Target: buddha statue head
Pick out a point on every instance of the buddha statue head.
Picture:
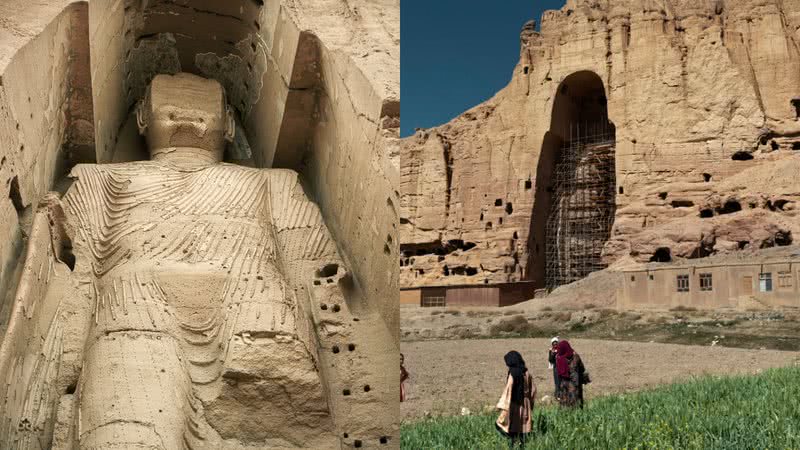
(185, 118)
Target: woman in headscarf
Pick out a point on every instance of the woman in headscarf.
(571, 374)
(516, 403)
(551, 360)
(403, 377)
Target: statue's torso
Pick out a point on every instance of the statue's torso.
(190, 254)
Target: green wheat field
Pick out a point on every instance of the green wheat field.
(742, 412)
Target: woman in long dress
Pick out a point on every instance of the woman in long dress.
(571, 376)
(516, 403)
(403, 377)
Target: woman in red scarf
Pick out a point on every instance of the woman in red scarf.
(572, 375)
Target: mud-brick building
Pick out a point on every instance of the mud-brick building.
(769, 282)
(500, 294)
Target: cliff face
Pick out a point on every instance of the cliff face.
(704, 98)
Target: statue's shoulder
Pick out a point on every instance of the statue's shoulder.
(88, 170)
(270, 174)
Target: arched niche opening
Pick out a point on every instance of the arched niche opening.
(268, 67)
(575, 198)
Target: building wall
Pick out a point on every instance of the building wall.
(459, 296)
(410, 297)
(731, 286)
(473, 296)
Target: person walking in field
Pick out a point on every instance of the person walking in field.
(551, 359)
(572, 376)
(403, 377)
(516, 402)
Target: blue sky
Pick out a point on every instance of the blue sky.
(455, 54)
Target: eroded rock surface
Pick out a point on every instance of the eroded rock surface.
(703, 100)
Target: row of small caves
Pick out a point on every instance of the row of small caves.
(408, 252)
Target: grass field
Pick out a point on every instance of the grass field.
(747, 412)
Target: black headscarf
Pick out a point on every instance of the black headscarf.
(516, 368)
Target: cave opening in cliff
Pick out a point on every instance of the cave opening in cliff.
(575, 185)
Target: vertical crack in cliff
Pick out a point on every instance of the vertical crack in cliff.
(448, 168)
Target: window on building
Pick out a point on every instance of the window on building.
(706, 282)
(683, 283)
(432, 302)
(785, 279)
(765, 282)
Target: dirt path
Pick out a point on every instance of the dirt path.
(449, 375)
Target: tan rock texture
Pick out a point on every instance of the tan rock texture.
(704, 98)
(121, 325)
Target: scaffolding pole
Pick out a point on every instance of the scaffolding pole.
(582, 212)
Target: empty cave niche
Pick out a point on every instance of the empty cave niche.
(729, 207)
(437, 247)
(682, 203)
(662, 255)
(578, 161)
(783, 238)
(796, 105)
(777, 205)
(742, 156)
(707, 177)
(462, 270)
(328, 270)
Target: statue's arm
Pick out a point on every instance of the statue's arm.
(32, 354)
(355, 353)
(307, 253)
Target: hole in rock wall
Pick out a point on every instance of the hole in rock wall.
(662, 254)
(578, 161)
(706, 213)
(682, 203)
(435, 248)
(66, 255)
(662, 195)
(509, 208)
(795, 145)
(783, 238)
(621, 190)
(706, 177)
(15, 195)
(328, 270)
(742, 156)
(796, 105)
(774, 145)
(498, 202)
(730, 207)
(528, 184)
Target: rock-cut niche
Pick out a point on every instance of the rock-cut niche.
(575, 185)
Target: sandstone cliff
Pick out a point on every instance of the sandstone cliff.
(705, 99)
